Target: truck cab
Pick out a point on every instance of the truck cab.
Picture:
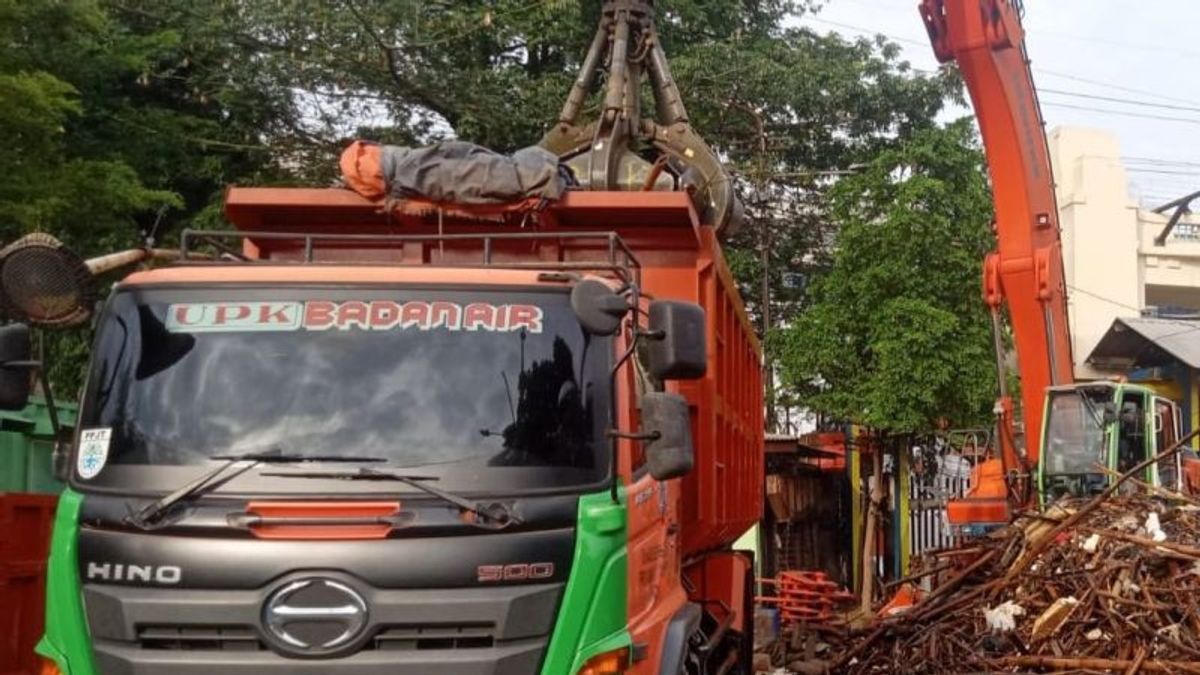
(345, 439)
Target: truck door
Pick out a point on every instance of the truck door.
(1132, 443)
(1166, 434)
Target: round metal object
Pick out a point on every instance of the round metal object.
(44, 283)
(314, 616)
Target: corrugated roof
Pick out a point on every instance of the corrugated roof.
(781, 438)
(1147, 343)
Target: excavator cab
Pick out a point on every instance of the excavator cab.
(1093, 432)
(1098, 430)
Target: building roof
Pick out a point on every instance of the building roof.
(824, 450)
(1148, 343)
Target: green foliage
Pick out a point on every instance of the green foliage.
(897, 336)
(126, 116)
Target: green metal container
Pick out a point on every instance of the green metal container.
(27, 446)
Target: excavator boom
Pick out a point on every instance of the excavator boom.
(1025, 273)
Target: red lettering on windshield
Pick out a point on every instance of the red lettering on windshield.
(183, 315)
(351, 313)
(384, 314)
(269, 313)
(446, 314)
(479, 315)
(240, 313)
(412, 315)
(525, 316)
(415, 314)
(318, 314)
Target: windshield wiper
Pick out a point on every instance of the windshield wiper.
(494, 516)
(147, 516)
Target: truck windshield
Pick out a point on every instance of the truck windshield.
(488, 390)
(1075, 438)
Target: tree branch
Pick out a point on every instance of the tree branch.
(406, 87)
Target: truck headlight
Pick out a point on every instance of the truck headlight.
(608, 663)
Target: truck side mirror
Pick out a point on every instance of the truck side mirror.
(677, 348)
(598, 308)
(14, 366)
(668, 425)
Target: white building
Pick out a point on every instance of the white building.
(1133, 275)
(1115, 269)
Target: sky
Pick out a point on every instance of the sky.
(1142, 54)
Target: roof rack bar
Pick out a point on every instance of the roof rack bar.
(215, 243)
(620, 259)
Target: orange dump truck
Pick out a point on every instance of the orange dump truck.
(402, 432)
(352, 440)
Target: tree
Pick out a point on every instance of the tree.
(788, 108)
(115, 124)
(49, 182)
(897, 336)
(143, 110)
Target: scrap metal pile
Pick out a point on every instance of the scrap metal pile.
(1108, 584)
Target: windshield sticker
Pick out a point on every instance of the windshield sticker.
(233, 316)
(93, 452)
(236, 317)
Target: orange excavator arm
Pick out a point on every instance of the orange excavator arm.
(1025, 274)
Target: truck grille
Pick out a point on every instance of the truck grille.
(469, 636)
(501, 630)
(246, 638)
(203, 638)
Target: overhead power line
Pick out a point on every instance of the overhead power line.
(860, 29)
(1188, 326)
(1109, 85)
(906, 7)
(1124, 113)
(1157, 161)
(1118, 43)
(1164, 172)
(1118, 99)
(1038, 70)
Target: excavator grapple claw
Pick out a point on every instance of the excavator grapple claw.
(621, 150)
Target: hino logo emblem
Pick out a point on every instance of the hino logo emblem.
(166, 575)
(315, 616)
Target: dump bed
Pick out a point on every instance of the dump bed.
(723, 496)
(655, 236)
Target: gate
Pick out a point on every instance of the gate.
(941, 471)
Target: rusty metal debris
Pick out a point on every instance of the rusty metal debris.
(1086, 586)
(1106, 584)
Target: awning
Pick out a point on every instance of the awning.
(1148, 343)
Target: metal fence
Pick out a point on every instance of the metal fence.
(941, 471)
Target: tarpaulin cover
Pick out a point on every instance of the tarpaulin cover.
(453, 172)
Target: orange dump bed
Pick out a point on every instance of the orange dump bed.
(660, 240)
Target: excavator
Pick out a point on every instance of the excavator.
(1077, 436)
